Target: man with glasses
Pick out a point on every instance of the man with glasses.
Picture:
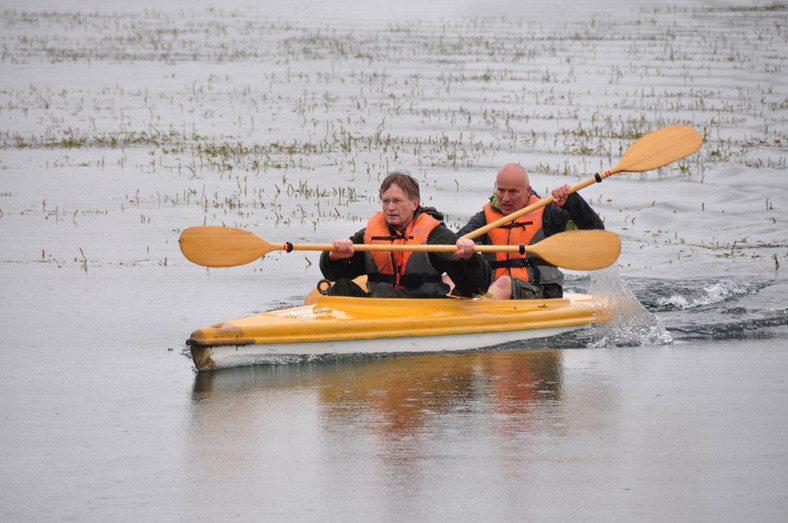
(525, 276)
(404, 274)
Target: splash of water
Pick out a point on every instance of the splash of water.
(747, 308)
(692, 295)
(624, 322)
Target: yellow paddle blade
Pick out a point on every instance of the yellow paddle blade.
(585, 250)
(659, 148)
(214, 246)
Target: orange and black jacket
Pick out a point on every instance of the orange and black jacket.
(416, 273)
(530, 229)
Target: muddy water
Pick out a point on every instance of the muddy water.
(119, 127)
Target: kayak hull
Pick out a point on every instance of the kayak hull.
(341, 325)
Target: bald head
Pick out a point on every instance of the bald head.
(512, 188)
(513, 174)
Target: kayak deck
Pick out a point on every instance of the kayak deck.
(341, 325)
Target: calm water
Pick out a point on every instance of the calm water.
(102, 421)
(120, 127)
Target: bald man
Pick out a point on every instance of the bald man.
(525, 276)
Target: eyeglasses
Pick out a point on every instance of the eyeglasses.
(395, 201)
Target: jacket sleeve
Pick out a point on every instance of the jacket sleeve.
(477, 221)
(575, 214)
(347, 267)
(471, 276)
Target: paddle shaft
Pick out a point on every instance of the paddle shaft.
(531, 208)
(577, 250)
(214, 246)
(656, 149)
(288, 247)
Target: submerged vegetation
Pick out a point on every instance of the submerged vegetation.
(246, 120)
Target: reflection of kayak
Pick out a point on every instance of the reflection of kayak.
(340, 325)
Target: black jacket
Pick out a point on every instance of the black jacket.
(575, 214)
(470, 276)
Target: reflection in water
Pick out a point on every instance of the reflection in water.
(400, 396)
(379, 422)
(393, 394)
(481, 429)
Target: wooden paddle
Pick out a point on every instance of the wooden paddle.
(214, 246)
(651, 151)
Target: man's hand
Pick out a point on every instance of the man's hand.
(344, 249)
(560, 195)
(465, 248)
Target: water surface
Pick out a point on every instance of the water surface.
(120, 125)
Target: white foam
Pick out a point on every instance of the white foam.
(630, 324)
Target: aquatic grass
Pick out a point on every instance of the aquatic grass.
(251, 120)
(73, 139)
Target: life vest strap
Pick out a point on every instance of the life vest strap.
(406, 281)
(516, 225)
(513, 262)
(393, 237)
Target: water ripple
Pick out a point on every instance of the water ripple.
(693, 294)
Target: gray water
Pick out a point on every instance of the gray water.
(123, 124)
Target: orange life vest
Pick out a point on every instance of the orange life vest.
(525, 230)
(401, 269)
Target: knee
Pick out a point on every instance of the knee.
(501, 289)
(502, 283)
(346, 287)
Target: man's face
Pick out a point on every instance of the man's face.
(512, 193)
(398, 206)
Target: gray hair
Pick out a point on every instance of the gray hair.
(406, 182)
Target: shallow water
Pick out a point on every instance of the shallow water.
(120, 126)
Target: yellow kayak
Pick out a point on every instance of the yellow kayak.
(342, 325)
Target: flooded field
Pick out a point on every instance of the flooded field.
(123, 124)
